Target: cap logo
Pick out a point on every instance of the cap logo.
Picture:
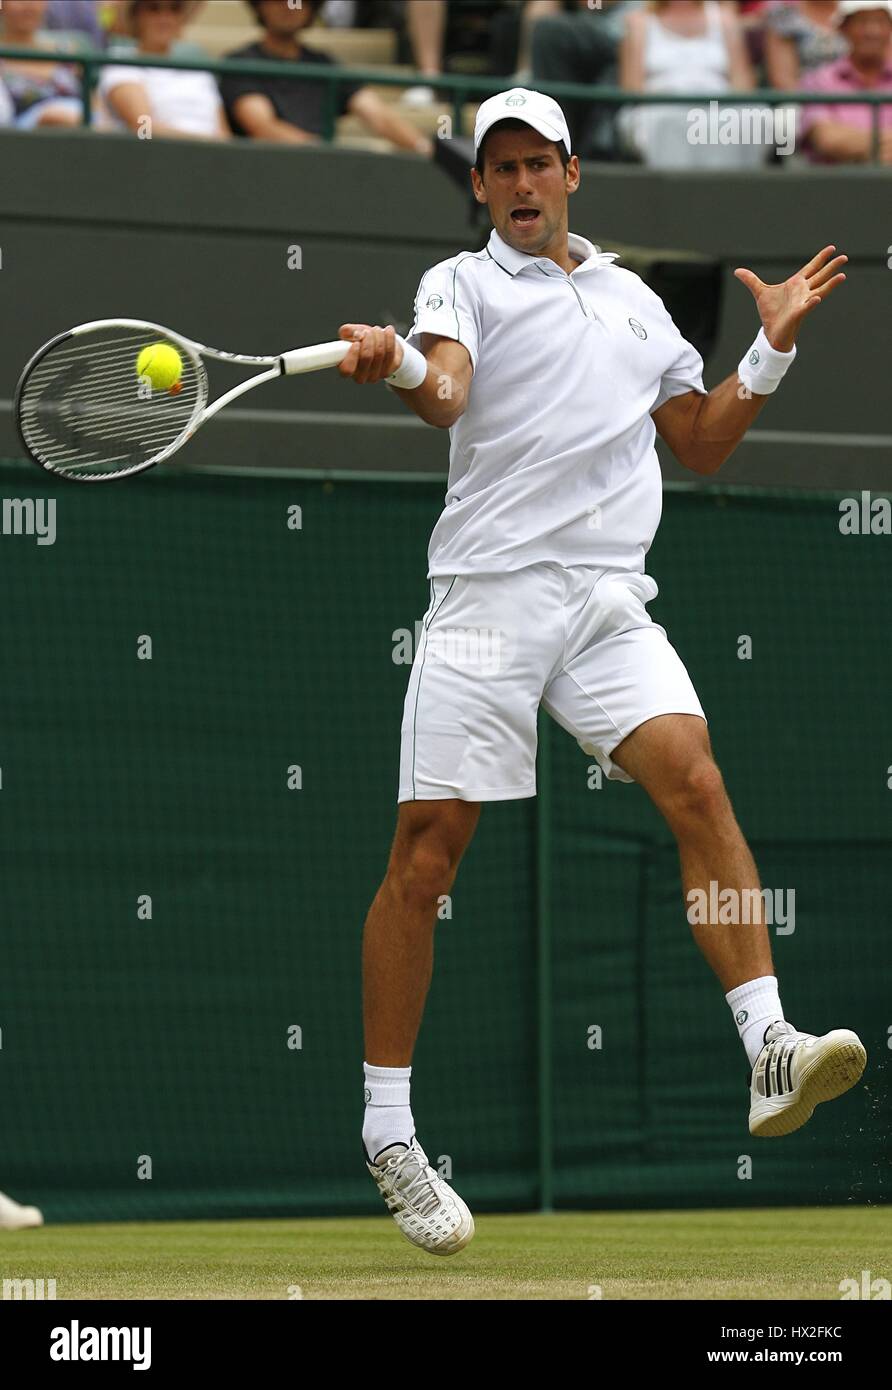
(516, 101)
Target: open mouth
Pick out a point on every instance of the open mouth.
(525, 216)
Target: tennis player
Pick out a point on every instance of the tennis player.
(553, 368)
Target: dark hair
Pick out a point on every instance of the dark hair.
(313, 5)
(512, 123)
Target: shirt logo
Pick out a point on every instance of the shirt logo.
(754, 357)
(435, 302)
(515, 101)
(638, 329)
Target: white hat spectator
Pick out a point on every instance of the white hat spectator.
(519, 104)
(847, 8)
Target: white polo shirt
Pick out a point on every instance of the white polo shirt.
(553, 458)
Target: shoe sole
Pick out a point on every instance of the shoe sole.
(451, 1246)
(457, 1241)
(840, 1064)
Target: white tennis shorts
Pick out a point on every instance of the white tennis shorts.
(493, 647)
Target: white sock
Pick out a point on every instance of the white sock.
(388, 1115)
(755, 1005)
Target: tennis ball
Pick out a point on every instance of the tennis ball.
(162, 364)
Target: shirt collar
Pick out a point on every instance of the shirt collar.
(590, 257)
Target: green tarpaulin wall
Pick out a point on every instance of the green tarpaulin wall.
(171, 1038)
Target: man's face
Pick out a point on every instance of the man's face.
(869, 33)
(525, 187)
(286, 16)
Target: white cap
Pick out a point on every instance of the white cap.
(847, 8)
(533, 108)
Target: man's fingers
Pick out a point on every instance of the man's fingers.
(817, 261)
(821, 277)
(376, 355)
(822, 291)
(371, 353)
(347, 367)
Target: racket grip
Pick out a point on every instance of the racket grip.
(312, 359)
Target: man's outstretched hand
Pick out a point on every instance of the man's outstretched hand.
(783, 307)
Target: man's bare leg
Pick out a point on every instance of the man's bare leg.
(398, 954)
(398, 942)
(671, 757)
(792, 1071)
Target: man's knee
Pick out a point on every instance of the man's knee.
(428, 848)
(697, 795)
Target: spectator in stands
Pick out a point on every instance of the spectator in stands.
(78, 17)
(440, 30)
(844, 134)
(683, 46)
(752, 21)
(43, 93)
(290, 110)
(799, 38)
(161, 101)
(581, 45)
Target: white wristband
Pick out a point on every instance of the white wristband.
(763, 368)
(412, 370)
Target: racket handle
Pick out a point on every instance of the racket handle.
(311, 359)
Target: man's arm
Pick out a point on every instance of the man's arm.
(443, 395)
(256, 114)
(846, 144)
(703, 431)
(382, 120)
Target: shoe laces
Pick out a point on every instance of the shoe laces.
(419, 1190)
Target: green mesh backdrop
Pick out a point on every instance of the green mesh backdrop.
(128, 1038)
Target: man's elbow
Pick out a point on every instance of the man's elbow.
(446, 416)
(702, 461)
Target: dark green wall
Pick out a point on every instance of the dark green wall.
(167, 1037)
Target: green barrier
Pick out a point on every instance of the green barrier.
(179, 998)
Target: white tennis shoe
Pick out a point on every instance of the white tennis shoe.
(14, 1217)
(795, 1071)
(422, 1204)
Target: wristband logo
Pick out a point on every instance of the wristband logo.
(435, 301)
(755, 358)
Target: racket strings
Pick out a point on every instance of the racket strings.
(84, 408)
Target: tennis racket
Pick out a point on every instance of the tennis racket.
(85, 412)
